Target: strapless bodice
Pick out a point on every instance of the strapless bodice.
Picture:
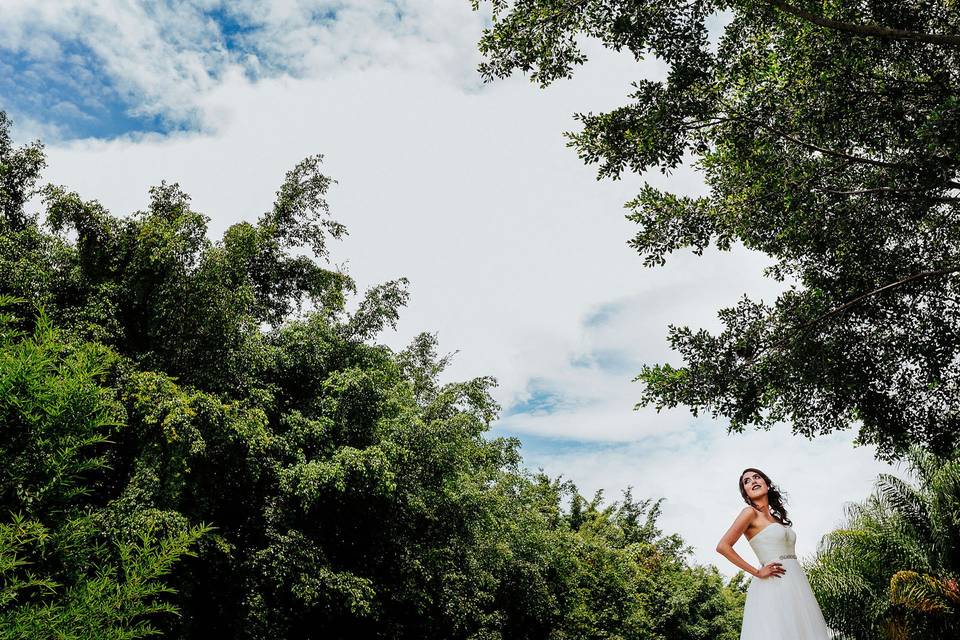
(774, 542)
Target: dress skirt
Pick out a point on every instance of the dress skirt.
(783, 608)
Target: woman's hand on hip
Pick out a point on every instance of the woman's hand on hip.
(771, 569)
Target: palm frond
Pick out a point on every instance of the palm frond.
(907, 502)
(922, 593)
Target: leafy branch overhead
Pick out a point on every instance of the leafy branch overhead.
(828, 135)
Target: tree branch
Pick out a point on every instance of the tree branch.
(865, 30)
(890, 190)
(887, 287)
(696, 125)
(734, 117)
(828, 152)
(852, 303)
(860, 192)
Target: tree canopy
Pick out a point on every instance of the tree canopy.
(827, 135)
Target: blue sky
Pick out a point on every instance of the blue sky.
(75, 94)
(71, 85)
(517, 255)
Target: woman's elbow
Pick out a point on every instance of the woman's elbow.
(722, 546)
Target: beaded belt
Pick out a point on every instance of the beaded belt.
(788, 556)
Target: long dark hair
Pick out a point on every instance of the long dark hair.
(776, 499)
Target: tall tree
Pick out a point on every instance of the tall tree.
(828, 135)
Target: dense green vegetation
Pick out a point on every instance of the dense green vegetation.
(198, 439)
(828, 135)
(891, 570)
(72, 564)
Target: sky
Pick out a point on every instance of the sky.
(517, 255)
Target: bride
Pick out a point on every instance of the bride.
(780, 604)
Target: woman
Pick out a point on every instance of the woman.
(780, 604)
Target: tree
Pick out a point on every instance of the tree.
(891, 570)
(827, 135)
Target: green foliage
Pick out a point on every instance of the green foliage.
(63, 574)
(19, 170)
(117, 601)
(827, 134)
(891, 571)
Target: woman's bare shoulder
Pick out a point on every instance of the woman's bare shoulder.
(742, 522)
(747, 513)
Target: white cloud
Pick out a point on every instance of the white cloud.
(141, 52)
(165, 58)
(516, 254)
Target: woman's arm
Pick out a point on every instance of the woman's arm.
(725, 547)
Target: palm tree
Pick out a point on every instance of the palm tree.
(891, 571)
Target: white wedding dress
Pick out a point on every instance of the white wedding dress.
(781, 608)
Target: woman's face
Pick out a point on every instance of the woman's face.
(754, 484)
